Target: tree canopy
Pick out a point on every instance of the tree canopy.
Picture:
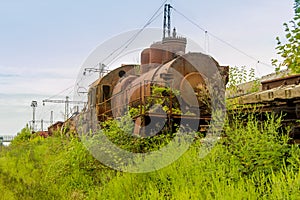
(290, 50)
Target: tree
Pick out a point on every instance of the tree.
(290, 51)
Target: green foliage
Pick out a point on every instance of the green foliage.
(246, 164)
(120, 132)
(259, 147)
(251, 161)
(158, 102)
(290, 51)
(164, 91)
(160, 96)
(23, 136)
(51, 168)
(238, 76)
(133, 112)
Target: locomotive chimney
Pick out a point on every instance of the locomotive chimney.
(169, 48)
(173, 46)
(162, 52)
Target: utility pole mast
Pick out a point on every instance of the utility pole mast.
(33, 105)
(67, 102)
(67, 108)
(100, 68)
(51, 117)
(167, 21)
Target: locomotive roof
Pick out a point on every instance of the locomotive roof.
(98, 81)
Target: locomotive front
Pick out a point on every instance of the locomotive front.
(171, 88)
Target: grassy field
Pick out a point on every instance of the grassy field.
(251, 161)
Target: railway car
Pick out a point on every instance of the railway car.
(279, 95)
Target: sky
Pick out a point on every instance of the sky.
(43, 44)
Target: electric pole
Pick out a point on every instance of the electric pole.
(67, 102)
(167, 21)
(67, 108)
(51, 117)
(33, 105)
(42, 125)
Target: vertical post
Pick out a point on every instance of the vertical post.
(67, 108)
(165, 21)
(206, 42)
(33, 118)
(105, 107)
(141, 99)
(42, 125)
(169, 20)
(144, 95)
(100, 70)
(126, 100)
(33, 105)
(30, 125)
(170, 106)
(51, 118)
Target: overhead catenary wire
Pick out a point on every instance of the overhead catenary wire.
(58, 94)
(153, 18)
(115, 54)
(221, 40)
(44, 113)
(128, 53)
(132, 39)
(125, 45)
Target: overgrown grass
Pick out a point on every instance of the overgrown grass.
(251, 161)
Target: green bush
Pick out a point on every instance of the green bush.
(120, 132)
(23, 136)
(258, 147)
(251, 161)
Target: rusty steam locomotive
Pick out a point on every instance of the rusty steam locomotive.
(163, 90)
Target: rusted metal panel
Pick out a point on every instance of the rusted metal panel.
(135, 89)
(287, 93)
(55, 127)
(279, 82)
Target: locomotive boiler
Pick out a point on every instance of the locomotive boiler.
(167, 88)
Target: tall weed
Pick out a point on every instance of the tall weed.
(251, 161)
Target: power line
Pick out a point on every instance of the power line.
(153, 18)
(127, 53)
(130, 40)
(133, 38)
(221, 40)
(42, 114)
(124, 46)
(72, 86)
